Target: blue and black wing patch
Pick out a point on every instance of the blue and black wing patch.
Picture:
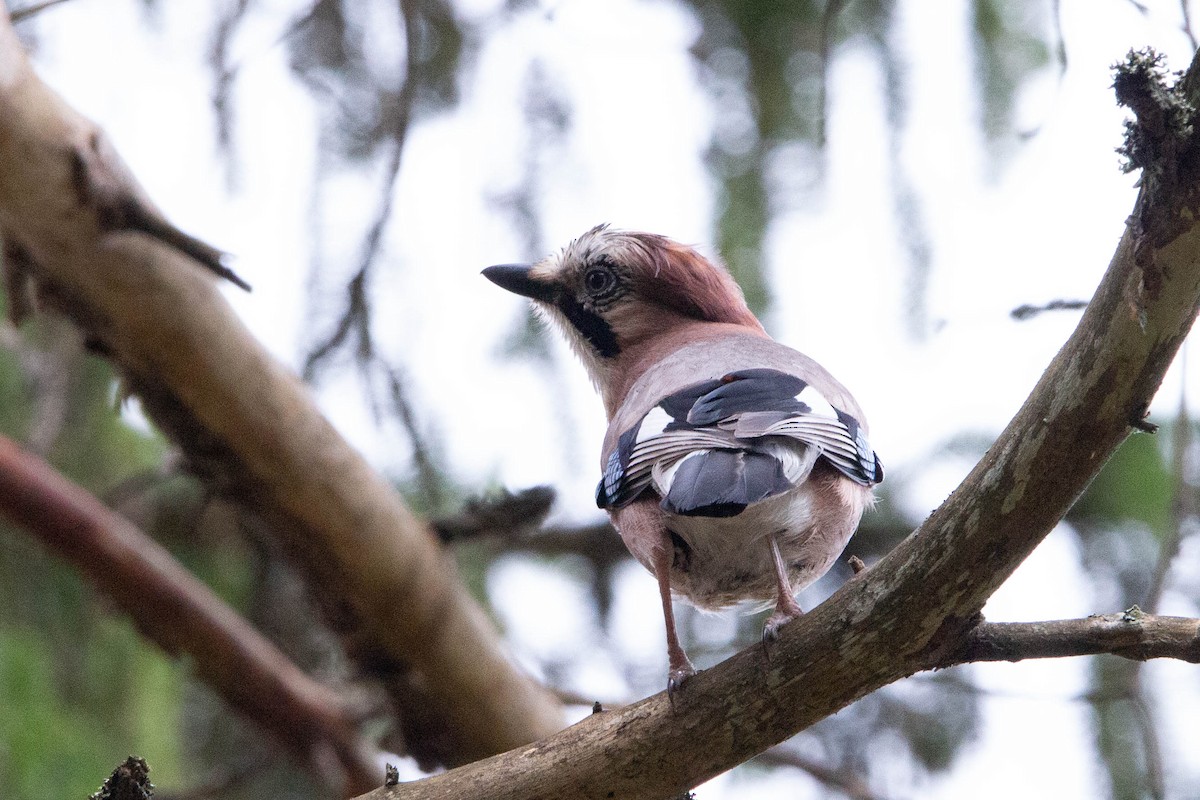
(717, 446)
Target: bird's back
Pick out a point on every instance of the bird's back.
(712, 359)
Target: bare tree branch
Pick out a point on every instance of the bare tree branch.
(1131, 634)
(250, 429)
(183, 616)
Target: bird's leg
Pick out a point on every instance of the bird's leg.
(679, 668)
(786, 607)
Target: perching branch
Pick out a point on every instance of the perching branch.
(920, 604)
(184, 617)
(250, 430)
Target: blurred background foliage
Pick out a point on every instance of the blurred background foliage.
(79, 689)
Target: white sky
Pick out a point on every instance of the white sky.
(1046, 229)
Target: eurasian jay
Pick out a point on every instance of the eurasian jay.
(734, 468)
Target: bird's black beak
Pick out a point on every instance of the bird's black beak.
(516, 279)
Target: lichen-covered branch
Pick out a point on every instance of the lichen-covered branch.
(250, 429)
(129, 781)
(184, 617)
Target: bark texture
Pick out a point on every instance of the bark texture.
(145, 295)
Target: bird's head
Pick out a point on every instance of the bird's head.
(612, 292)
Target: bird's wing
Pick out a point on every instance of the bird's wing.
(721, 444)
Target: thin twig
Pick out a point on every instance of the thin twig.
(1060, 41)
(355, 320)
(357, 316)
(429, 473)
(840, 780)
(571, 698)
(599, 543)
(1185, 6)
(224, 74)
(1028, 311)
(22, 14)
(102, 185)
(135, 216)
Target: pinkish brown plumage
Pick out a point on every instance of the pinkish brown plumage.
(734, 468)
(676, 277)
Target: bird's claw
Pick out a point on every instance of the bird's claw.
(675, 678)
(774, 624)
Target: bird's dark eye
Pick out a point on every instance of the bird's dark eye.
(599, 281)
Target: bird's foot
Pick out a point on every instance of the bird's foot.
(784, 613)
(676, 675)
(786, 607)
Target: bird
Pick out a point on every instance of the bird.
(734, 468)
